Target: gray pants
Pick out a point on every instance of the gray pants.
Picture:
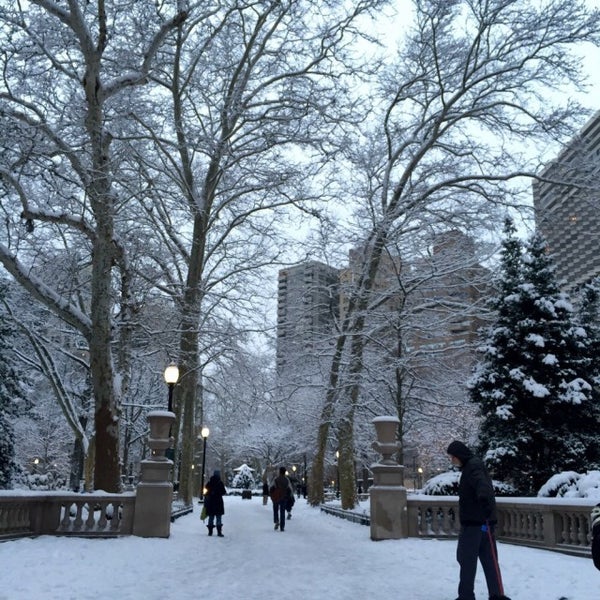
(473, 544)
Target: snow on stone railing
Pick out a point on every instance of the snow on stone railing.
(555, 523)
(99, 514)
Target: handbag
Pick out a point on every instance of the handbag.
(203, 514)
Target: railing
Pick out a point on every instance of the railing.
(66, 514)
(179, 508)
(557, 524)
(355, 517)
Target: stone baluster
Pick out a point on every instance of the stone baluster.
(582, 533)
(90, 522)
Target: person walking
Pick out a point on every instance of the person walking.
(595, 518)
(280, 491)
(289, 504)
(213, 501)
(477, 513)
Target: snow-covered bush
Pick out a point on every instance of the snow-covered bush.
(446, 484)
(570, 484)
(243, 479)
(40, 481)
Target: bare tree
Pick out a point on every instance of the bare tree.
(470, 86)
(252, 111)
(66, 71)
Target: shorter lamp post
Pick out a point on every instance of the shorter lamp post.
(305, 479)
(337, 465)
(204, 433)
(420, 472)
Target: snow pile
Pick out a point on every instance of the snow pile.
(446, 484)
(570, 484)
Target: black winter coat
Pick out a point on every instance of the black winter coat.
(596, 545)
(476, 501)
(213, 499)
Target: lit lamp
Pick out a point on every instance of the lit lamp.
(420, 472)
(204, 433)
(171, 377)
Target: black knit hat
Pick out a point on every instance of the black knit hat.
(459, 450)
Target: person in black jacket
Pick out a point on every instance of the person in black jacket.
(595, 518)
(280, 490)
(213, 501)
(477, 513)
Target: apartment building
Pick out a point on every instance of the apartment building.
(307, 308)
(566, 199)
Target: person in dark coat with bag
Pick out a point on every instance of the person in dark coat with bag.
(477, 513)
(213, 501)
(280, 491)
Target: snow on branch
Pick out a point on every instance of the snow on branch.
(132, 78)
(45, 294)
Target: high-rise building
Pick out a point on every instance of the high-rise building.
(566, 199)
(307, 308)
(453, 292)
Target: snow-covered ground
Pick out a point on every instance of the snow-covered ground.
(318, 557)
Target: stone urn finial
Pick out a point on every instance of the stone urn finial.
(160, 433)
(386, 429)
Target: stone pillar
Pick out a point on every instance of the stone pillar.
(154, 495)
(389, 519)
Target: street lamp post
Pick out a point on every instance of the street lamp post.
(420, 472)
(337, 465)
(204, 433)
(305, 481)
(171, 377)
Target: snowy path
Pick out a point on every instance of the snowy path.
(318, 557)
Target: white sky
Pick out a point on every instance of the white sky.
(318, 557)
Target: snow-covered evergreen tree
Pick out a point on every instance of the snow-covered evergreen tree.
(589, 317)
(10, 391)
(243, 479)
(532, 383)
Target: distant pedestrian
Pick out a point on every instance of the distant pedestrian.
(280, 491)
(477, 513)
(213, 501)
(290, 501)
(595, 517)
(265, 492)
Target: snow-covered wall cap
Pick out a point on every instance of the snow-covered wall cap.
(386, 419)
(161, 413)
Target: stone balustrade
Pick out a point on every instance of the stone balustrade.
(67, 513)
(556, 524)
